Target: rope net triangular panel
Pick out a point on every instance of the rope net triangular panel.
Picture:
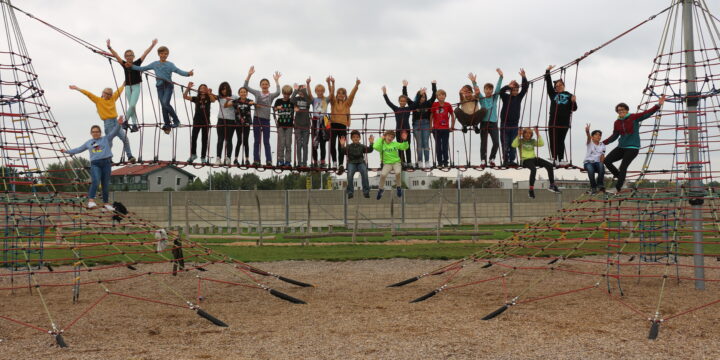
(647, 244)
(52, 241)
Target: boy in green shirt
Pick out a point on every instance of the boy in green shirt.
(389, 155)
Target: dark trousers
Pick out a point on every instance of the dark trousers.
(488, 128)
(624, 154)
(261, 133)
(405, 156)
(198, 128)
(442, 145)
(533, 163)
(337, 131)
(243, 135)
(509, 134)
(557, 134)
(225, 131)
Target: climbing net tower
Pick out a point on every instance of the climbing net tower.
(647, 245)
(51, 241)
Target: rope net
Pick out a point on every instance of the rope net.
(51, 240)
(659, 237)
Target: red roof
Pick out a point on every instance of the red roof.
(137, 169)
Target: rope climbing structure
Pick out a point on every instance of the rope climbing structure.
(644, 246)
(51, 241)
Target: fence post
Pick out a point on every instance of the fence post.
(257, 202)
(308, 229)
(187, 217)
(287, 208)
(357, 215)
(392, 216)
(459, 214)
(238, 211)
(227, 210)
(169, 209)
(402, 206)
(474, 214)
(510, 204)
(345, 209)
(439, 222)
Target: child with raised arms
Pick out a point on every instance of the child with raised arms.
(440, 114)
(261, 122)
(356, 162)
(389, 149)
(201, 120)
(284, 116)
(402, 119)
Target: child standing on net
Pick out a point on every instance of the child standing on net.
(261, 122)
(133, 82)
(402, 119)
(320, 124)
(440, 115)
(201, 120)
(340, 103)
(421, 125)
(243, 110)
(562, 105)
(284, 114)
(389, 149)
(302, 100)
(105, 105)
(527, 146)
(356, 162)
(226, 123)
(488, 124)
(100, 161)
(510, 117)
(594, 158)
(164, 85)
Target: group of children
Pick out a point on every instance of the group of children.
(313, 121)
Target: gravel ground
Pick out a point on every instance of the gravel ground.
(351, 314)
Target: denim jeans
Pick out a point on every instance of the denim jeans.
(595, 168)
(132, 94)
(100, 175)
(261, 127)
(165, 93)
(110, 124)
(421, 130)
(363, 170)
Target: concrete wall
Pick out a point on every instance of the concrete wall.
(281, 207)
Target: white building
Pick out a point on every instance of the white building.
(412, 179)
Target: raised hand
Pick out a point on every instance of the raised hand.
(190, 85)
(587, 128)
(307, 81)
(108, 44)
(154, 42)
(191, 72)
(403, 135)
(371, 139)
(405, 83)
(295, 86)
(73, 87)
(251, 71)
(276, 76)
(472, 77)
(661, 101)
(384, 89)
(423, 90)
(357, 81)
(550, 67)
(499, 71)
(434, 81)
(522, 72)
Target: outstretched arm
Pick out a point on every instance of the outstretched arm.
(147, 51)
(587, 133)
(114, 53)
(90, 95)
(353, 92)
(186, 93)
(331, 88)
(387, 99)
(548, 82)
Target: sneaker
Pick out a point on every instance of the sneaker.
(204, 160)
(602, 189)
(512, 164)
(350, 195)
(340, 170)
(366, 195)
(192, 158)
(531, 194)
(134, 128)
(125, 126)
(483, 163)
(256, 163)
(399, 191)
(132, 160)
(268, 164)
(323, 164)
(109, 207)
(553, 188)
(91, 204)
(227, 161)
(166, 129)
(175, 123)
(563, 163)
(218, 162)
(612, 191)
(492, 163)
(464, 129)
(477, 129)
(246, 162)
(380, 192)
(236, 162)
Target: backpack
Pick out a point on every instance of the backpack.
(120, 211)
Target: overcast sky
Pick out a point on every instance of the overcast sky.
(381, 42)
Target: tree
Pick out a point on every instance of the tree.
(441, 183)
(65, 176)
(196, 185)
